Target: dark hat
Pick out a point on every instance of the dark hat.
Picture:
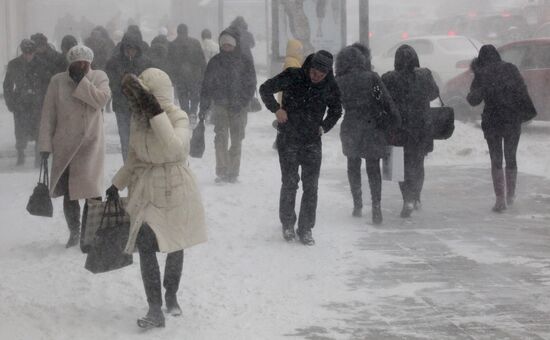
(68, 42)
(39, 39)
(27, 46)
(322, 61)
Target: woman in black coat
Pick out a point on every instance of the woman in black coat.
(361, 138)
(412, 88)
(507, 104)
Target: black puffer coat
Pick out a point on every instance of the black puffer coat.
(412, 89)
(120, 64)
(359, 133)
(229, 80)
(304, 102)
(500, 85)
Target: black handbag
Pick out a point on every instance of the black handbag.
(107, 250)
(40, 202)
(197, 141)
(440, 121)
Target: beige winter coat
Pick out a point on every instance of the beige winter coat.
(71, 129)
(162, 190)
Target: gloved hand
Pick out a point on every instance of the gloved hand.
(45, 155)
(112, 193)
(78, 70)
(149, 105)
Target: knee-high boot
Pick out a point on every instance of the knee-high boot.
(498, 185)
(511, 178)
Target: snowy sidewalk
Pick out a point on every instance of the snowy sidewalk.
(453, 271)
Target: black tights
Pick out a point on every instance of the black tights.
(375, 180)
(150, 272)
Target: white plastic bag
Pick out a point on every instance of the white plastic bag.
(393, 165)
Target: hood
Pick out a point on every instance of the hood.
(131, 40)
(406, 59)
(307, 65)
(159, 84)
(295, 49)
(488, 54)
(235, 34)
(349, 59)
(239, 23)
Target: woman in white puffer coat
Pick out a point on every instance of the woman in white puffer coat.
(164, 202)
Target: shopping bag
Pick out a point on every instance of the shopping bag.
(393, 164)
(107, 249)
(92, 215)
(40, 202)
(197, 141)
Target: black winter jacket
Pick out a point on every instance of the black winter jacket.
(412, 89)
(119, 65)
(22, 86)
(187, 61)
(359, 133)
(229, 80)
(501, 86)
(304, 102)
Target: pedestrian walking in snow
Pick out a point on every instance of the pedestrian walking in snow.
(246, 39)
(71, 129)
(188, 66)
(129, 59)
(103, 46)
(164, 203)
(209, 46)
(228, 87)
(21, 93)
(363, 97)
(501, 87)
(412, 89)
(67, 43)
(307, 92)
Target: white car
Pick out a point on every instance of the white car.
(446, 56)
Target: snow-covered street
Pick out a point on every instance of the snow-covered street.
(455, 270)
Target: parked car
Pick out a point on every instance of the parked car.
(532, 57)
(440, 54)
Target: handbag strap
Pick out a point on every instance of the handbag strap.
(112, 203)
(44, 176)
(441, 100)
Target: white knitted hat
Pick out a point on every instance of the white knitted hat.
(80, 53)
(228, 39)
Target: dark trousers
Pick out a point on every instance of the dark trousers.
(510, 140)
(150, 272)
(71, 209)
(354, 178)
(291, 157)
(411, 188)
(123, 120)
(188, 97)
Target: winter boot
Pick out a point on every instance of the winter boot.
(74, 238)
(20, 157)
(357, 211)
(511, 178)
(153, 319)
(306, 237)
(417, 204)
(289, 234)
(172, 306)
(498, 185)
(407, 210)
(376, 214)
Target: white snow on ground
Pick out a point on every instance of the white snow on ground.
(245, 283)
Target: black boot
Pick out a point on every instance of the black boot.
(306, 237)
(20, 157)
(511, 178)
(376, 214)
(357, 211)
(172, 306)
(354, 178)
(74, 238)
(172, 277)
(153, 319)
(498, 186)
(288, 233)
(407, 209)
(71, 209)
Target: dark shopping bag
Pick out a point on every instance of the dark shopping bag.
(91, 220)
(40, 202)
(441, 121)
(197, 141)
(107, 250)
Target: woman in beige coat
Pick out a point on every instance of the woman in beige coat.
(71, 128)
(164, 203)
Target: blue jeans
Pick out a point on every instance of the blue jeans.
(123, 122)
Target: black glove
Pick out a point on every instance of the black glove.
(77, 72)
(112, 193)
(45, 155)
(150, 105)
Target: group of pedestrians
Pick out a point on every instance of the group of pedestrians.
(65, 96)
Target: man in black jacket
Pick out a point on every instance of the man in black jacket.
(229, 83)
(21, 92)
(187, 69)
(307, 92)
(129, 59)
